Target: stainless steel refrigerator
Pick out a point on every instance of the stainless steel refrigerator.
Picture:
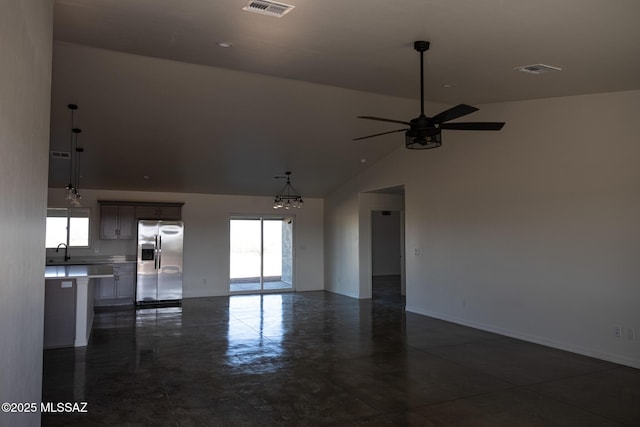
(159, 276)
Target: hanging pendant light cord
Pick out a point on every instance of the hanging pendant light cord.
(72, 107)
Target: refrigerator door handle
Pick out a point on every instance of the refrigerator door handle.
(159, 252)
(155, 258)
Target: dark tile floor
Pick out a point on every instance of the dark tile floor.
(317, 358)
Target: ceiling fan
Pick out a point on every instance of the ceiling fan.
(425, 132)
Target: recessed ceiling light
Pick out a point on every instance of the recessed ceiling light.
(448, 85)
(363, 160)
(224, 44)
(146, 177)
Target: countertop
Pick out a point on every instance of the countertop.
(87, 260)
(77, 271)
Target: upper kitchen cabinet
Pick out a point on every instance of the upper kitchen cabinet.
(166, 211)
(117, 221)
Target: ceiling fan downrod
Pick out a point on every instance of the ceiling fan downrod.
(421, 46)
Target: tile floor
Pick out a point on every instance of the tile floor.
(316, 358)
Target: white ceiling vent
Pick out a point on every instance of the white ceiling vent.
(270, 8)
(60, 155)
(537, 69)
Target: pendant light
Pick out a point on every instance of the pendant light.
(70, 189)
(287, 197)
(73, 188)
(79, 150)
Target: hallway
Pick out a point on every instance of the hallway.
(317, 358)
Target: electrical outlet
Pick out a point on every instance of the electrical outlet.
(617, 331)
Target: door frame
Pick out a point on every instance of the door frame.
(389, 199)
(262, 218)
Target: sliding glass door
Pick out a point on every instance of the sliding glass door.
(261, 254)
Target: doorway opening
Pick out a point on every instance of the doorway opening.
(382, 237)
(260, 254)
(387, 253)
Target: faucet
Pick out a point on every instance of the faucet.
(66, 249)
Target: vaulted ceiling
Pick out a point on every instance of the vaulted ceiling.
(158, 97)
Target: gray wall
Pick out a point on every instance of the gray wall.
(25, 87)
(530, 232)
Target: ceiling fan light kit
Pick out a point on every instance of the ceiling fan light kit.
(423, 142)
(426, 132)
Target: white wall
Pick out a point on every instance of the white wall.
(341, 244)
(25, 87)
(206, 241)
(531, 231)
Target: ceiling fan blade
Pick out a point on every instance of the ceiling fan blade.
(378, 134)
(473, 126)
(380, 119)
(454, 113)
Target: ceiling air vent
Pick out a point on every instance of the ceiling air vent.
(537, 69)
(60, 155)
(270, 8)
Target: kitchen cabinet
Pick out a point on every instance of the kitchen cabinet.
(69, 302)
(117, 222)
(124, 284)
(166, 211)
(105, 289)
(116, 290)
(59, 313)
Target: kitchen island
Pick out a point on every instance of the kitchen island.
(61, 277)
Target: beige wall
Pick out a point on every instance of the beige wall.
(25, 87)
(531, 232)
(206, 240)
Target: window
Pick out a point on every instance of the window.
(69, 226)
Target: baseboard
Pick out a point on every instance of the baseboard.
(346, 294)
(615, 358)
